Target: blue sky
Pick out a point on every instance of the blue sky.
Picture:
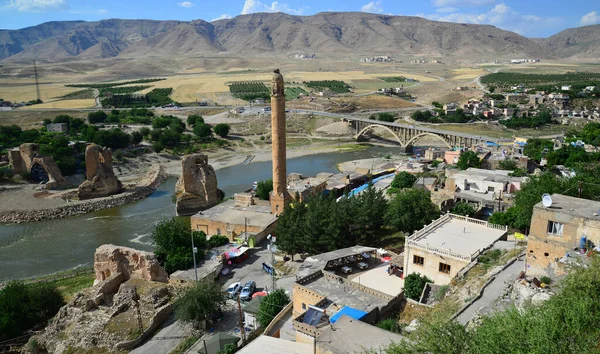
(532, 18)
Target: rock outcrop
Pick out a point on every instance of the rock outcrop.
(132, 263)
(100, 178)
(196, 189)
(41, 169)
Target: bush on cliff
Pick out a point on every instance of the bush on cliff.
(174, 245)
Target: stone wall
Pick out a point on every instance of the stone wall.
(196, 189)
(148, 185)
(111, 259)
(100, 177)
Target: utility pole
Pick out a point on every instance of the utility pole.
(272, 266)
(37, 85)
(194, 250)
(580, 188)
(499, 201)
(242, 330)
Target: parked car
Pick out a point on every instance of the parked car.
(346, 270)
(248, 290)
(267, 109)
(362, 265)
(234, 289)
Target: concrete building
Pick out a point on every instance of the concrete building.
(433, 154)
(556, 231)
(251, 311)
(233, 217)
(57, 128)
(443, 248)
(451, 156)
(269, 345)
(305, 188)
(279, 196)
(349, 335)
(427, 183)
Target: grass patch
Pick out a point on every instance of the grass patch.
(353, 147)
(79, 95)
(71, 286)
(185, 345)
(292, 93)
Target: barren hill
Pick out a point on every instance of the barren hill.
(264, 33)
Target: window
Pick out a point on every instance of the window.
(303, 306)
(490, 189)
(555, 228)
(218, 230)
(418, 260)
(444, 268)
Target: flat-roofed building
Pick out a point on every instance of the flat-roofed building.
(556, 231)
(269, 345)
(443, 248)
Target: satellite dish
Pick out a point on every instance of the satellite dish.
(546, 200)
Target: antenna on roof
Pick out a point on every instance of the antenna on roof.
(546, 200)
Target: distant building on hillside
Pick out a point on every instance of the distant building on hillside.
(57, 128)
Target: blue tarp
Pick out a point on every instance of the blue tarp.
(348, 311)
(357, 190)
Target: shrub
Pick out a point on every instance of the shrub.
(490, 256)
(414, 284)
(441, 292)
(203, 130)
(158, 147)
(173, 245)
(546, 280)
(222, 130)
(271, 305)
(97, 117)
(264, 188)
(390, 325)
(217, 240)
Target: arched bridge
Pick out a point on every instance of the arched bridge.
(407, 135)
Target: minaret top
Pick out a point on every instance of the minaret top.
(277, 84)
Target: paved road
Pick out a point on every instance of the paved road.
(491, 301)
(163, 342)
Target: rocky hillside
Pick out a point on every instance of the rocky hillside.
(339, 32)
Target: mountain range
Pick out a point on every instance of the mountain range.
(279, 33)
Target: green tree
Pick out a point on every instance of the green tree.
(173, 247)
(97, 117)
(367, 217)
(290, 229)
(410, 210)
(22, 307)
(536, 148)
(228, 349)
(158, 147)
(199, 302)
(414, 284)
(508, 165)
(531, 193)
(468, 159)
(203, 130)
(403, 180)
(506, 218)
(221, 130)
(271, 305)
(463, 208)
(136, 138)
(194, 119)
(264, 188)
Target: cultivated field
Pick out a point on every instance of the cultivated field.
(467, 73)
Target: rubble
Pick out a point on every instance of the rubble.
(100, 177)
(196, 189)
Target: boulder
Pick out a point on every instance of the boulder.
(100, 177)
(196, 189)
(131, 263)
(539, 298)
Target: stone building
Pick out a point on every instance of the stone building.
(196, 189)
(100, 177)
(558, 230)
(57, 128)
(41, 169)
(443, 248)
(131, 263)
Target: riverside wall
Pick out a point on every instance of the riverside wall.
(154, 177)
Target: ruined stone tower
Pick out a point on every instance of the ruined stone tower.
(279, 197)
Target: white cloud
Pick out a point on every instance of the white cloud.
(252, 6)
(461, 3)
(38, 5)
(373, 6)
(591, 18)
(222, 17)
(501, 16)
(186, 4)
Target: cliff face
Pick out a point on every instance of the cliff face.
(260, 33)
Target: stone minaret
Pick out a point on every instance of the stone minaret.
(279, 196)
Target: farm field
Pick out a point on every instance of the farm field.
(467, 73)
(81, 103)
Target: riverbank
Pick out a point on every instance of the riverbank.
(154, 177)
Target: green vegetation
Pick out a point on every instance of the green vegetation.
(464, 208)
(229, 348)
(249, 90)
(391, 325)
(384, 117)
(490, 257)
(292, 93)
(70, 286)
(468, 159)
(440, 293)
(414, 284)
(332, 85)
(590, 134)
(536, 148)
(112, 84)
(546, 279)
(78, 95)
(172, 239)
(567, 323)
(156, 97)
(542, 118)
(393, 78)
(119, 90)
(222, 129)
(23, 307)
(264, 188)
(186, 344)
(202, 130)
(217, 240)
(410, 210)
(401, 180)
(194, 119)
(271, 305)
(199, 303)
(541, 82)
(458, 117)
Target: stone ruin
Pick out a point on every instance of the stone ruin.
(196, 189)
(100, 178)
(111, 259)
(41, 169)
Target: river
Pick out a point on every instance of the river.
(34, 249)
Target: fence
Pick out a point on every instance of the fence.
(61, 276)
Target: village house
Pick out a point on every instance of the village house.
(446, 246)
(558, 232)
(560, 100)
(57, 128)
(302, 189)
(566, 87)
(516, 97)
(450, 109)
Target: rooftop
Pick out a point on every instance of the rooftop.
(348, 335)
(269, 345)
(457, 236)
(486, 175)
(378, 279)
(578, 207)
(228, 212)
(318, 262)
